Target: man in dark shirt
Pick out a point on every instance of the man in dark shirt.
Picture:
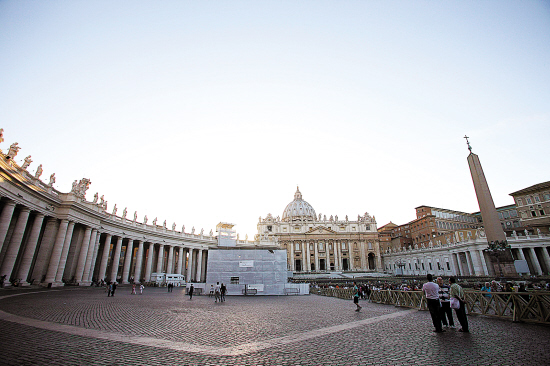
(445, 311)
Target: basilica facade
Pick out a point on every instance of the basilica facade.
(320, 244)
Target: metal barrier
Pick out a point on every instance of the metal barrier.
(532, 307)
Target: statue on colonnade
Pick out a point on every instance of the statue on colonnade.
(27, 162)
(52, 180)
(125, 212)
(95, 197)
(115, 209)
(174, 226)
(193, 230)
(145, 219)
(135, 216)
(14, 149)
(38, 172)
(155, 222)
(164, 224)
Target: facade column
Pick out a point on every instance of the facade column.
(475, 262)
(337, 266)
(105, 257)
(5, 220)
(88, 263)
(546, 257)
(127, 261)
(94, 259)
(291, 267)
(28, 254)
(307, 257)
(483, 262)
(379, 256)
(64, 252)
(180, 261)
(521, 254)
(149, 264)
(535, 261)
(139, 259)
(169, 265)
(363, 256)
(457, 264)
(199, 265)
(190, 276)
(116, 259)
(351, 264)
(83, 254)
(160, 259)
(15, 243)
(316, 255)
(56, 252)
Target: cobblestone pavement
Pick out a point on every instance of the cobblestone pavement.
(82, 326)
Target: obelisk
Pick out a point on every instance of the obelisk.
(491, 222)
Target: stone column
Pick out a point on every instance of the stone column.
(378, 256)
(363, 256)
(351, 264)
(308, 257)
(127, 261)
(105, 257)
(535, 261)
(483, 263)
(94, 259)
(337, 266)
(190, 276)
(5, 220)
(457, 264)
(546, 257)
(64, 252)
(316, 255)
(160, 260)
(149, 264)
(15, 243)
(475, 262)
(199, 265)
(28, 254)
(116, 260)
(56, 252)
(83, 254)
(291, 268)
(180, 260)
(169, 265)
(139, 259)
(88, 263)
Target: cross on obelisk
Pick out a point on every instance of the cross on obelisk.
(468, 142)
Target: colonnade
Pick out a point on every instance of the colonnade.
(331, 255)
(38, 247)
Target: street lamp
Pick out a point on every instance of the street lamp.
(496, 249)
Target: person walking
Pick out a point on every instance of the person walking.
(191, 289)
(431, 290)
(458, 293)
(133, 289)
(217, 292)
(141, 287)
(356, 294)
(446, 313)
(113, 288)
(223, 290)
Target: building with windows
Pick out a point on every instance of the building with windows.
(320, 244)
(533, 207)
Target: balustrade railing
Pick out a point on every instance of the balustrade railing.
(532, 307)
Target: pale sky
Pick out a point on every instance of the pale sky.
(198, 112)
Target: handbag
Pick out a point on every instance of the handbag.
(455, 303)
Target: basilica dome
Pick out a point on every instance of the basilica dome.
(298, 209)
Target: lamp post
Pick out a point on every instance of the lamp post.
(496, 249)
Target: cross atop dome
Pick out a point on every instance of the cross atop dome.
(298, 194)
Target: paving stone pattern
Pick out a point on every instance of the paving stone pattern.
(406, 339)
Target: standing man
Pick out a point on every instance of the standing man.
(191, 288)
(458, 293)
(217, 292)
(431, 290)
(113, 288)
(446, 312)
(223, 290)
(356, 296)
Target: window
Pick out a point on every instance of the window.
(513, 213)
(344, 246)
(234, 280)
(541, 212)
(297, 246)
(430, 265)
(536, 198)
(519, 201)
(321, 246)
(506, 214)
(533, 214)
(423, 266)
(546, 196)
(529, 202)
(448, 266)
(269, 228)
(438, 266)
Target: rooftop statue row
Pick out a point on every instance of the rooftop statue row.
(365, 218)
(79, 188)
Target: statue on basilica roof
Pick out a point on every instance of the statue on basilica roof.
(1, 135)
